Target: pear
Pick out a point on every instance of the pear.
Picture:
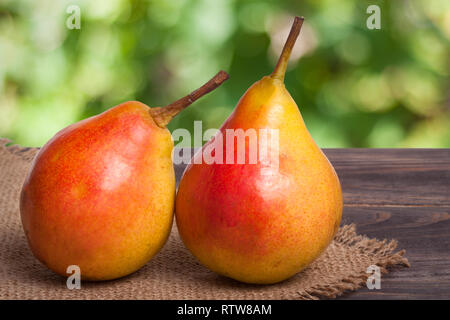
(257, 222)
(100, 194)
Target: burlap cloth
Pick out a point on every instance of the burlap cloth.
(173, 273)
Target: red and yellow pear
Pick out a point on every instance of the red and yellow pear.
(254, 223)
(100, 194)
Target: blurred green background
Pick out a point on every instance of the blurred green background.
(355, 87)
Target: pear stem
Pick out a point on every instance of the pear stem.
(163, 115)
(280, 69)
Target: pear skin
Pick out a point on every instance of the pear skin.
(254, 226)
(100, 194)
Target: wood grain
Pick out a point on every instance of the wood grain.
(424, 233)
(396, 177)
(401, 194)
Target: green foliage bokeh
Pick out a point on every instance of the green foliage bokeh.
(355, 87)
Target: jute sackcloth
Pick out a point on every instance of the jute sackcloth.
(173, 273)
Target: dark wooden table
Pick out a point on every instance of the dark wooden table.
(402, 194)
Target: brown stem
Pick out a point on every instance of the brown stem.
(163, 115)
(280, 69)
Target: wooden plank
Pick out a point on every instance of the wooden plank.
(392, 177)
(424, 233)
(395, 177)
